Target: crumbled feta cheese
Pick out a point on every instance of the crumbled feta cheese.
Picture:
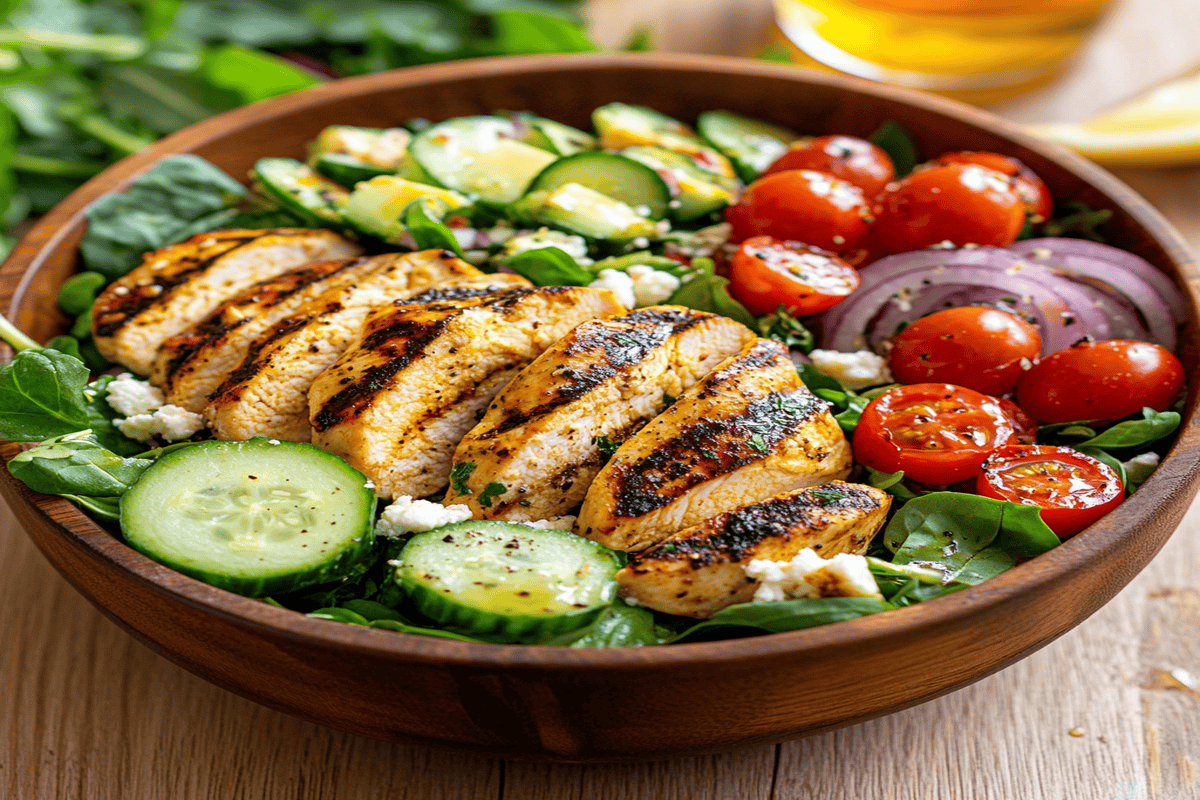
(618, 283)
(169, 422)
(406, 515)
(809, 575)
(564, 523)
(574, 246)
(140, 427)
(129, 396)
(701, 243)
(853, 370)
(651, 286)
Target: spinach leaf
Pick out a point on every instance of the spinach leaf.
(104, 508)
(783, 327)
(847, 405)
(1140, 433)
(619, 625)
(1137, 470)
(76, 464)
(101, 417)
(41, 392)
(892, 483)
(402, 627)
(1066, 433)
(906, 584)
(549, 266)
(1080, 222)
(707, 292)
(896, 141)
(339, 615)
(966, 537)
(180, 196)
(787, 615)
(427, 231)
(79, 292)
(1117, 465)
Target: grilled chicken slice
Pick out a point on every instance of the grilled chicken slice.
(541, 437)
(267, 394)
(190, 365)
(747, 431)
(700, 570)
(397, 404)
(178, 286)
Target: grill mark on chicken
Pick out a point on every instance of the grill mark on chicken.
(622, 348)
(119, 313)
(712, 447)
(729, 537)
(251, 364)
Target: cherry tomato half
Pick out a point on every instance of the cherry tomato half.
(937, 433)
(1073, 490)
(980, 348)
(1101, 381)
(960, 203)
(1025, 425)
(803, 206)
(853, 160)
(1039, 205)
(766, 273)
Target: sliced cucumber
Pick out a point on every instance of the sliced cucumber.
(381, 147)
(621, 126)
(633, 183)
(700, 192)
(556, 137)
(585, 211)
(258, 518)
(300, 190)
(480, 156)
(375, 207)
(752, 145)
(348, 170)
(508, 580)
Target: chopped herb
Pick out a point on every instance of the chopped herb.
(606, 445)
(756, 442)
(490, 491)
(783, 327)
(524, 504)
(827, 494)
(709, 454)
(459, 475)
(669, 548)
(668, 399)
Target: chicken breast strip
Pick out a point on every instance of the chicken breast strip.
(747, 431)
(267, 394)
(701, 570)
(178, 286)
(547, 434)
(397, 404)
(192, 364)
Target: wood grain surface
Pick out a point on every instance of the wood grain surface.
(1104, 712)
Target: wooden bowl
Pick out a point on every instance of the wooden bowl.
(603, 704)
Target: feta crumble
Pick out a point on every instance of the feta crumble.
(651, 286)
(564, 523)
(618, 283)
(406, 515)
(574, 246)
(856, 370)
(169, 422)
(809, 575)
(129, 396)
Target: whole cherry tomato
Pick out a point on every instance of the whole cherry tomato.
(960, 203)
(1072, 490)
(766, 273)
(803, 206)
(853, 160)
(1101, 381)
(937, 433)
(1039, 205)
(981, 348)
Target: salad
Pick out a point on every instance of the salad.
(629, 386)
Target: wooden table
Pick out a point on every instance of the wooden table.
(89, 713)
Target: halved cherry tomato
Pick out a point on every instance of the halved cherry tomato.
(1025, 425)
(803, 206)
(853, 160)
(1072, 490)
(937, 433)
(981, 348)
(1039, 205)
(767, 273)
(959, 203)
(1101, 381)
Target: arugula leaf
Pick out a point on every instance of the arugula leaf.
(549, 266)
(1153, 426)
(619, 625)
(41, 392)
(180, 196)
(788, 615)
(896, 141)
(966, 537)
(710, 293)
(783, 327)
(428, 232)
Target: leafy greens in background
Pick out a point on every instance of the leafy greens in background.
(83, 84)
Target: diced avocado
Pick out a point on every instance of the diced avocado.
(585, 211)
(620, 125)
(752, 145)
(479, 155)
(699, 192)
(375, 206)
(377, 146)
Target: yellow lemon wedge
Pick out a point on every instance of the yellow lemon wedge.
(1159, 128)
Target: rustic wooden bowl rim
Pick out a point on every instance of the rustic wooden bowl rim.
(956, 609)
